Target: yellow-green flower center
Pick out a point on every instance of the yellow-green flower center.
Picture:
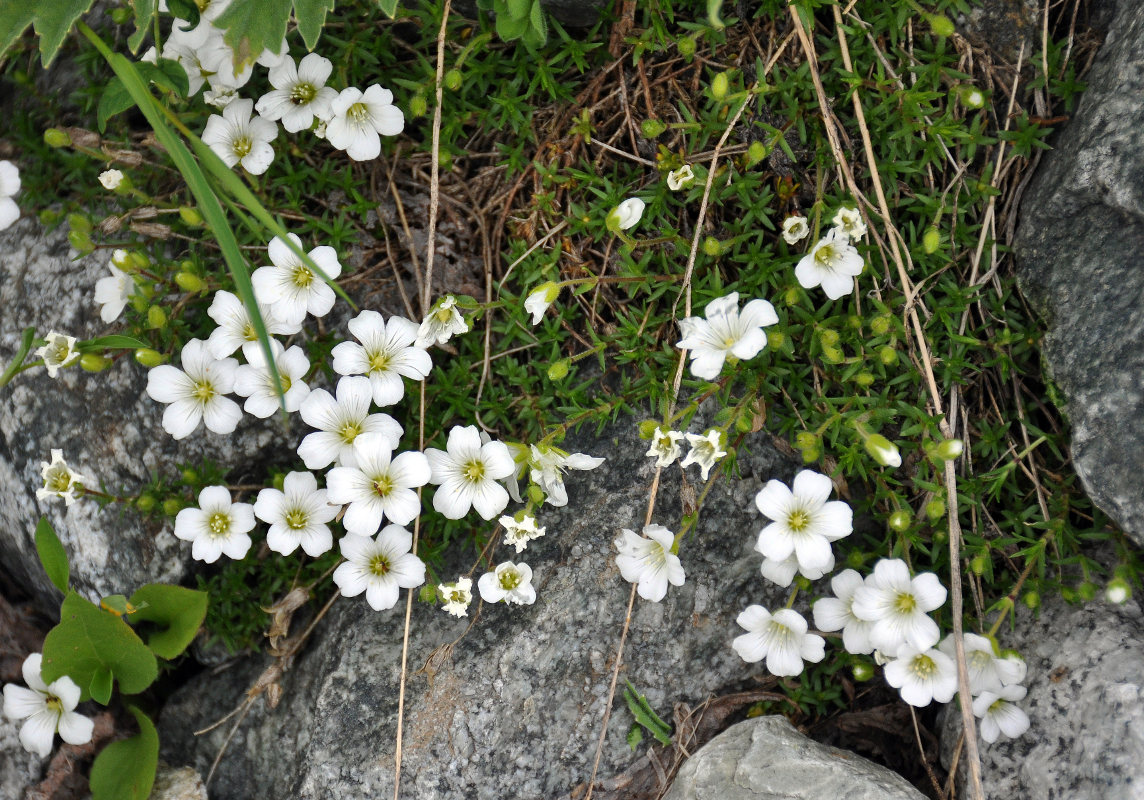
(378, 361)
(59, 480)
(798, 521)
(825, 255)
(249, 333)
(54, 704)
(905, 603)
(383, 485)
(359, 112)
(302, 93)
(301, 276)
(349, 432)
(443, 314)
(242, 146)
(296, 519)
(218, 523)
(474, 471)
(203, 391)
(923, 667)
(60, 351)
(509, 579)
(379, 565)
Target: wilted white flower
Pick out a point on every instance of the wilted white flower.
(253, 380)
(48, 708)
(356, 119)
(221, 97)
(217, 526)
(795, 229)
(848, 221)
(539, 299)
(509, 582)
(922, 676)
(58, 351)
(379, 487)
(9, 187)
(386, 354)
(239, 139)
(836, 613)
(898, 605)
(664, 446)
(380, 567)
(340, 422)
(457, 596)
(648, 562)
(195, 392)
(780, 638)
(680, 178)
(805, 521)
(467, 472)
(705, 450)
(235, 328)
(833, 263)
(999, 714)
(519, 532)
(113, 292)
(548, 465)
(300, 93)
(988, 672)
(59, 479)
(443, 322)
(291, 286)
(111, 179)
(626, 215)
(725, 331)
(297, 515)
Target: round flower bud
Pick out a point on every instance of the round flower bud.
(418, 106)
(888, 355)
(686, 46)
(78, 222)
(1087, 591)
(1118, 591)
(792, 295)
(855, 559)
(949, 449)
(54, 137)
(1032, 600)
(93, 362)
(559, 370)
(720, 85)
(811, 454)
(427, 594)
(712, 246)
(1068, 594)
(81, 242)
(880, 325)
(148, 357)
(864, 379)
(145, 503)
(828, 336)
(978, 564)
(49, 217)
(756, 152)
(172, 506)
(833, 355)
(652, 128)
(776, 339)
(191, 216)
(971, 97)
(190, 282)
(453, 80)
(535, 494)
(862, 671)
(138, 261)
(900, 520)
(647, 428)
(940, 24)
(805, 439)
(156, 318)
(935, 509)
(190, 476)
(931, 241)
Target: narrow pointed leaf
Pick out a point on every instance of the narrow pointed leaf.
(52, 555)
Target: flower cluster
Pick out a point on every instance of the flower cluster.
(832, 262)
(704, 449)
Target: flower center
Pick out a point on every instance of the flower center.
(979, 659)
(780, 634)
(379, 361)
(60, 352)
(219, 523)
(301, 276)
(296, 519)
(457, 596)
(54, 704)
(474, 471)
(249, 333)
(509, 579)
(443, 314)
(383, 485)
(349, 431)
(359, 112)
(825, 256)
(379, 565)
(996, 704)
(203, 391)
(923, 667)
(905, 603)
(59, 481)
(302, 93)
(242, 146)
(798, 521)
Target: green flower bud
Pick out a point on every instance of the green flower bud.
(978, 564)
(811, 454)
(792, 295)
(139, 303)
(139, 260)
(191, 216)
(559, 370)
(78, 222)
(880, 325)
(651, 128)
(864, 379)
(720, 85)
(883, 450)
(756, 152)
(535, 494)
(93, 362)
(970, 96)
(855, 322)
(156, 318)
(712, 246)
(776, 339)
(855, 559)
(427, 593)
(190, 476)
(1032, 600)
(190, 282)
(54, 137)
(145, 502)
(828, 336)
(949, 449)
(888, 355)
(940, 24)
(148, 357)
(686, 46)
(418, 106)
(648, 428)
(862, 671)
(935, 509)
(1087, 591)
(931, 241)
(453, 80)
(1118, 591)
(833, 355)
(172, 506)
(1068, 594)
(49, 217)
(81, 242)
(900, 520)
(805, 439)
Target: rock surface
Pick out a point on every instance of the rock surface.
(106, 425)
(765, 758)
(181, 783)
(1078, 255)
(514, 708)
(1086, 687)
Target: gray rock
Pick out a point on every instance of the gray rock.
(513, 707)
(108, 428)
(1078, 257)
(1086, 739)
(765, 758)
(19, 769)
(1005, 27)
(181, 783)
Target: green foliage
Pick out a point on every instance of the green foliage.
(125, 770)
(645, 716)
(116, 98)
(52, 555)
(176, 614)
(52, 19)
(519, 19)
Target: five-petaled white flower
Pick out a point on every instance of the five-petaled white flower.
(381, 567)
(111, 179)
(999, 713)
(988, 672)
(48, 708)
(805, 520)
(58, 351)
(218, 526)
(519, 532)
(381, 486)
(509, 582)
(386, 354)
(664, 446)
(648, 562)
(59, 479)
(297, 515)
(467, 472)
(113, 292)
(725, 331)
(835, 613)
(356, 119)
(341, 421)
(780, 638)
(626, 215)
(195, 392)
(833, 263)
(9, 187)
(457, 596)
(253, 381)
(548, 465)
(239, 139)
(539, 299)
(922, 676)
(235, 328)
(705, 450)
(291, 285)
(300, 93)
(848, 221)
(443, 322)
(795, 229)
(783, 572)
(680, 178)
(898, 605)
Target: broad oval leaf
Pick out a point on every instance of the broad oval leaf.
(125, 770)
(100, 687)
(177, 613)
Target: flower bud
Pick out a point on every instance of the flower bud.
(833, 355)
(145, 502)
(148, 357)
(792, 295)
(978, 565)
(559, 370)
(1068, 594)
(156, 318)
(138, 260)
(625, 215)
(931, 241)
(190, 282)
(949, 449)
(686, 46)
(712, 246)
(862, 671)
(971, 97)
(93, 362)
(1118, 591)
(940, 24)
(427, 593)
(828, 336)
(1087, 591)
(756, 152)
(720, 85)
(81, 241)
(418, 106)
(900, 520)
(78, 222)
(172, 506)
(805, 439)
(864, 379)
(811, 454)
(139, 302)
(190, 476)
(54, 137)
(191, 216)
(880, 325)
(776, 339)
(535, 494)
(49, 217)
(935, 509)
(855, 559)
(1032, 600)
(652, 128)
(888, 355)
(453, 80)
(648, 428)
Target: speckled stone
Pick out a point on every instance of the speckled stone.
(767, 759)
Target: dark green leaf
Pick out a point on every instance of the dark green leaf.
(168, 74)
(114, 100)
(27, 339)
(116, 341)
(52, 21)
(388, 7)
(52, 555)
(125, 770)
(252, 27)
(185, 9)
(100, 688)
(311, 15)
(646, 716)
(144, 13)
(15, 17)
(177, 612)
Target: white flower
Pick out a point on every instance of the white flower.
(381, 485)
(835, 613)
(509, 582)
(195, 392)
(999, 714)
(664, 446)
(300, 93)
(988, 672)
(520, 532)
(297, 515)
(898, 605)
(238, 139)
(48, 708)
(272, 58)
(111, 178)
(58, 351)
(442, 323)
(805, 521)
(648, 562)
(539, 299)
(221, 97)
(380, 567)
(725, 331)
(387, 353)
(113, 292)
(680, 178)
(548, 465)
(341, 421)
(833, 263)
(9, 187)
(795, 229)
(291, 286)
(253, 381)
(625, 215)
(235, 328)
(356, 119)
(457, 596)
(705, 450)
(200, 51)
(217, 526)
(467, 472)
(780, 638)
(849, 223)
(922, 676)
(59, 479)
(783, 572)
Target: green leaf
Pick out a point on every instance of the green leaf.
(15, 18)
(114, 100)
(125, 770)
(144, 13)
(100, 688)
(388, 7)
(252, 27)
(88, 640)
(27, 339)
(509, 29)
(635, 736)
(177, 612)
(52, 555)
(645, 716)
(52, 21)
(713, 9)
(519, 9)
(185, 9)
(169, 74)
(116, 341)
(539, 22)
(311, 15)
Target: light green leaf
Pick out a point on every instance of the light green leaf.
(88, 640)
(15, 17)
(27, 339)
(100, 688)
(539, 21)
(114, 100)
(388, 7)
(311, 15)
(518, 9)
(125, 770)
(116, 341)
(646, 716)
(713, 9)
(52, 21)
(52, 555)
(144, 13)
(249, 27)
(509, 29)
(177, 613)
